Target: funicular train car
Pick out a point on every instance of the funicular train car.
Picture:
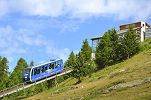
(32, 74)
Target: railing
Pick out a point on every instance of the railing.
(22, 86)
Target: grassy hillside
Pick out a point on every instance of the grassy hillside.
(135, 68)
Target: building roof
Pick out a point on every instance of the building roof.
(147, 24)
(96, 38)
(135, 24)
(123, 31)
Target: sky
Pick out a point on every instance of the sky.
(41, 30)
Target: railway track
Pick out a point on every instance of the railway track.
(23, 86)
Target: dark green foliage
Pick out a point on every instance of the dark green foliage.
(130, 43)
(113, 49)
(81, 64)
(3, 72)
(86, 50)
(71, 60)
(107, 52)
(31, 63)
(16, 75)
(146, 45)
(115, 44)
(78, 70)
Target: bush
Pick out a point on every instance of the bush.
(146, 45)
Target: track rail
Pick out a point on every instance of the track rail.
(23, 86)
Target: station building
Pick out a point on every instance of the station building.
(143, 30)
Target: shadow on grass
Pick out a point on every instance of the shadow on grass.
(78, 82)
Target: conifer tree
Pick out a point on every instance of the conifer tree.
(107, 52)
(115, 45)
(130, 43)
(16, 75)
(31, 63)
(3, 72)
(103, 51)
(86, 50)
(71, 60)
(83, 65)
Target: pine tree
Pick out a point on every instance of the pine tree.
(107, 52)
(86, 50)
(130, 43)
(115, 45)
(16, 75)
(83, 65)
(103, 51)
(71, 60)
(3, 72)
(78, 72)
(31, 63)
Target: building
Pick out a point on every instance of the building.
(142, 28)
(95, 42)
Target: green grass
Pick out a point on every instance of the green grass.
(137, 67)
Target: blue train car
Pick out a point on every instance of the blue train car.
(38, 72)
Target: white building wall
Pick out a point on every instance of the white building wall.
(142, 33)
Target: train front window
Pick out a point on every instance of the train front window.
(27, 70)
(59, 63)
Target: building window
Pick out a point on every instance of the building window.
(143, 25)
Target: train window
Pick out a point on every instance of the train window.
(43, 68)
(46, 68)
(27, 69)
(35, 71)
(51, 66)
(61, 63)
(38, 70)
(58, 64)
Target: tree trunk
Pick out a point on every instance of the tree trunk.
(79, 80)
(128, 56)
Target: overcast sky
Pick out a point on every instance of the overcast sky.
(41, 30)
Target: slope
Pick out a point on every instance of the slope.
(136, 68)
